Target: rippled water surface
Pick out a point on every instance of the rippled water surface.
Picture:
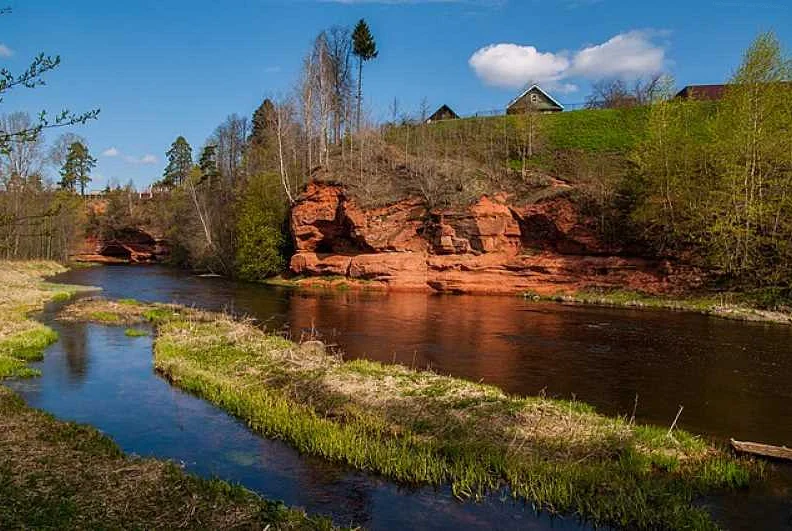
(732, 378)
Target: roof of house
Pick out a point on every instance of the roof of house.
(702, 92)
(444, 109)
(529, 89)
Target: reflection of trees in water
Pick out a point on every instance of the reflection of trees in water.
(74, 340)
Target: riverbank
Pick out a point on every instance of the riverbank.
(726, 306)
(419, 427)
(732, 305)
(61, 475)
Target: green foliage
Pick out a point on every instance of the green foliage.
(364, 46)
(207, 163)
(77, 168)
(179, 163)
(261, 239)
(263, 123)
(717, 180)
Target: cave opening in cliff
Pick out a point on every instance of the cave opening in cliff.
(116, 250)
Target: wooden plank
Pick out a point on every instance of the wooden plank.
(764, 450)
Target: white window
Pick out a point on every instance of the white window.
(534, 98)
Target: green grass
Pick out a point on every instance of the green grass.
(421, 428)
(135, 332)
(105, 317)
(29, 344)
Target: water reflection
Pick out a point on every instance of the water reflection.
(75, 346)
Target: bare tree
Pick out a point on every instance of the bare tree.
(21, 159)
(339, 49)
(230, 138)
(617, 93)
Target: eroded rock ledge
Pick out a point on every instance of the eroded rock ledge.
(490, 247)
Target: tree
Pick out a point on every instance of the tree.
(339, 47)
(262, 125)
(261, 239)
(32, 78)
(230, 139)
(179, 163)
(21, 160)
(77, 168)
(753, 154)
(207, 163)
(617, 94)
(56, 155)
(365, 49)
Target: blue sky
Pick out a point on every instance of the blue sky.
(158, 69)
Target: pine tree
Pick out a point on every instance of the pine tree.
(77, 168)
(263, 123)
(365, 49)
(207, 163)
(179, 163)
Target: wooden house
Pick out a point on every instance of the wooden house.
(702, 92)
(714, 92)
(534, 99)
(443, 113)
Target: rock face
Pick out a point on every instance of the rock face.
(134, 246)
(491, 247)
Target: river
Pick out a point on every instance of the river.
(731, 377)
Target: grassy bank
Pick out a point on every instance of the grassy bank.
(24, 291)
(58, 475)
(727, 306)
(423, 428)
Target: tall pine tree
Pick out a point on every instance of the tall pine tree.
(179, 163)
(77, 168)
(263, 123)
(207, 163)
(365, 49)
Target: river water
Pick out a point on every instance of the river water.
(732, 378)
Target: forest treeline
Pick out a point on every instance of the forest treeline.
(706, 182)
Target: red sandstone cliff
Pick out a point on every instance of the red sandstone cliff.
(491, 247)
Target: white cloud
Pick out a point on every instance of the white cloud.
(5, 51)
(629, 55)
(145, 159)
(148, 158)
(512, 65)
